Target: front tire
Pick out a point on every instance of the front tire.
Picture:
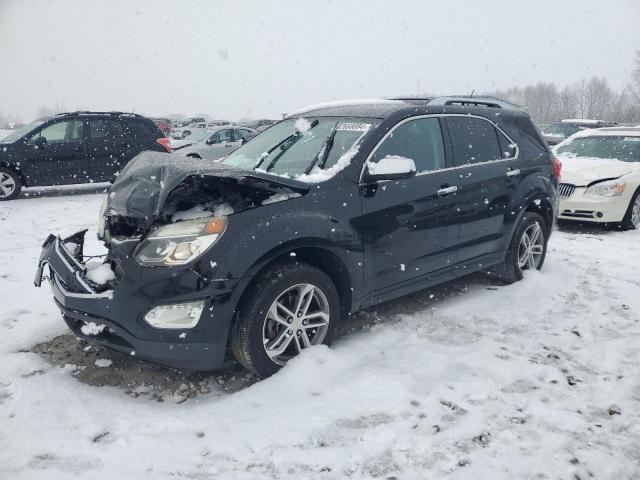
(288, 309)
(10, 184)
(527, 250)
(631, 219)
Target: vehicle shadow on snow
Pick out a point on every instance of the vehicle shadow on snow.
(586, 228)
(142, 380)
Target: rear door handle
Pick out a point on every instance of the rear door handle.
(513, 173)
(447, 190)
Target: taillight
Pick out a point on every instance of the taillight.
(557, 167)
(164, 141)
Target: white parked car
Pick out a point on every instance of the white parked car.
(219, 142)
(601, 176)
(183, 132)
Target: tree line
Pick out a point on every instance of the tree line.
(589, 98)
(546, 102)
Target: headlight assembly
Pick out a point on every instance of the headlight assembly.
(180, 243)
(610, 188)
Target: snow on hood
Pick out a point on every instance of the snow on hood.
(144, 185)
(584, 170)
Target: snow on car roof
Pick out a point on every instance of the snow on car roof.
(370, 102)
(609, 132)
(585, 121)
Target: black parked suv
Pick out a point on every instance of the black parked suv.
(327, 212)
(70, 148)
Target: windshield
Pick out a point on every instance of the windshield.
(296, 146)
(562, 129)
(21, 132)
(622, 148)
(198, 135)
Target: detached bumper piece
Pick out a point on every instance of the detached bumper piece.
(65, 266)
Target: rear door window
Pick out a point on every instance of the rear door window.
(474, 140)
(98, 128)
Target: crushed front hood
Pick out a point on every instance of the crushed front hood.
(143, 186)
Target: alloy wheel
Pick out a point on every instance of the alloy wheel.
(635, 212)
(7, 185)
(531, 247)
(297, 319)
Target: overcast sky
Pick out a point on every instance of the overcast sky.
(261, 58)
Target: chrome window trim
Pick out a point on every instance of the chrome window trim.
(441, 115)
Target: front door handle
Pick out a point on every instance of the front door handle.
(513, 173)
(447, 190)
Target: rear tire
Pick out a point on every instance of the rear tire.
(524, 253)
(631, 219)
(273, 325)
(10, 184)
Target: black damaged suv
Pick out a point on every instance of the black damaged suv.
(72, 148)
(327, 212)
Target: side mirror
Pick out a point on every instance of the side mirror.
(391, 167)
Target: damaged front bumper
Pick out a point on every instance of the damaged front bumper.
(121, 306)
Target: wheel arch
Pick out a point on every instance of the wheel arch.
(315, 252)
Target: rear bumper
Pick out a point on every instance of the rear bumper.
(121, 309)
(579, 207)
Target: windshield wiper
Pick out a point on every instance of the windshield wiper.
(323, 154)
(293, 136)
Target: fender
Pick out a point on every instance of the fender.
(532, 189)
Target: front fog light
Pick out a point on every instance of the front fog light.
(178, 315)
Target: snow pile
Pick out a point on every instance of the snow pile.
(92, 328)
(280, 197)
(103, 363)
(203, 211)
(391, 164)
(469, 380)
(346, 103)
(100, 273)
(317, 175)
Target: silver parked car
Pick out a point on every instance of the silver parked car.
(219, 143)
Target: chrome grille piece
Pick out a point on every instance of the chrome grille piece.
(566, 189)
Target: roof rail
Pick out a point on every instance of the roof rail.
(88, 112)
(481, 101)
(417, 99)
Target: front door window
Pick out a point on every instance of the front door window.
(60, 132)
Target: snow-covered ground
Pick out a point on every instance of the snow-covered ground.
(537, 380)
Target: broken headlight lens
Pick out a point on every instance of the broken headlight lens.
(180, 243)
(102, 218)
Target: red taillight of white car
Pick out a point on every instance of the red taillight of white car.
(557, 167)
(164, 141)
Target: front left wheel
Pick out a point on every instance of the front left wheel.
(288, 308)
(10, 184)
